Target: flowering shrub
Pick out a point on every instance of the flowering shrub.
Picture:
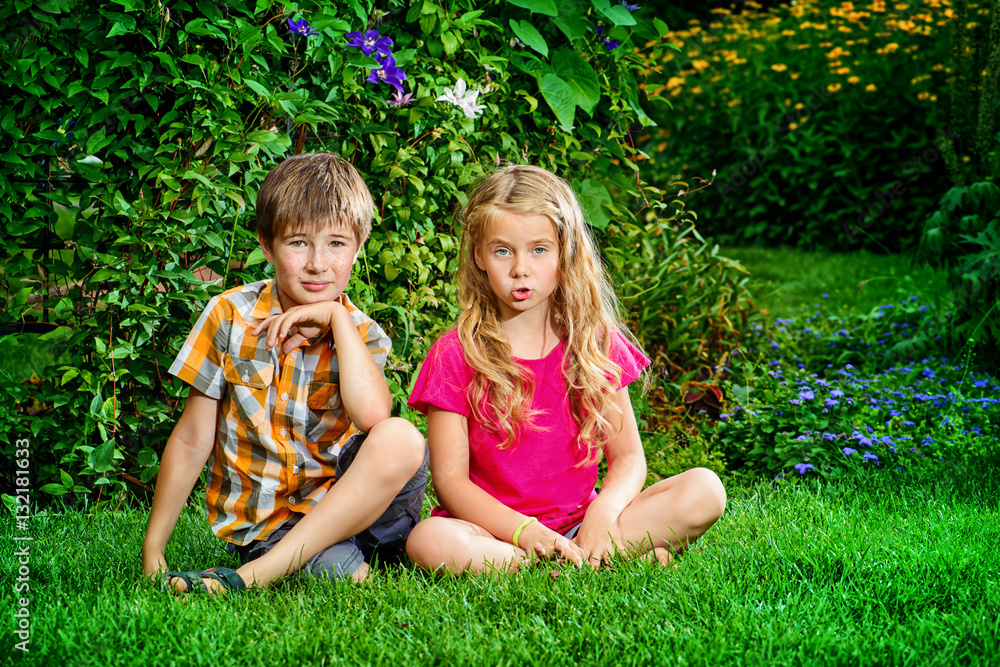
(822, 119)
(135, 133)
(784, 418)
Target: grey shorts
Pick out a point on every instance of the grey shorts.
(383, 542)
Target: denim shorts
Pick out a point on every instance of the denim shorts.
(383, 542)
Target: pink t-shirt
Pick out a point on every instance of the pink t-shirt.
(538, 475)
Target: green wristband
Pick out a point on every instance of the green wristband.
(517, 533)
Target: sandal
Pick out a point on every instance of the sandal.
(195, 580)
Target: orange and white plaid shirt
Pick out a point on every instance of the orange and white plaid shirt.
(281, 422)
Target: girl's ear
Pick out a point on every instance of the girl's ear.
(479, 260)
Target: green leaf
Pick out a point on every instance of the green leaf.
(54, 489)
(255, 257)
(257, 88)
(614, 13)
(594, 198)
(103, 456)
(661, 27)
(528, 34)
(547, 7)
(561, 98)
(580, 76)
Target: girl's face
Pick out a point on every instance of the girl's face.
(520, 255)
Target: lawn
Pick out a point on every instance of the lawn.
(884, 566)
(887, 569)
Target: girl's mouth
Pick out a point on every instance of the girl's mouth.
(522, 293)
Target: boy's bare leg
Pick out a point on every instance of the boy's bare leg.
(391, 454)
(453, 545)
(673, 512)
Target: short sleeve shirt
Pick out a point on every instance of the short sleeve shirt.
(540, 475)
(281, 422)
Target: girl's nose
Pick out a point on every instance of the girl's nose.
(520, 266)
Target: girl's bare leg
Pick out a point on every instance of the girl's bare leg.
(452, 545)
(673, 513)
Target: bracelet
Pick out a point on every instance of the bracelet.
(517, 533)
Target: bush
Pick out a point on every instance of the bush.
(687, 304)
(820, 122)
(786, 421)
(135, 134)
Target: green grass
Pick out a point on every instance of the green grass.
(855, 282)
(885, 570)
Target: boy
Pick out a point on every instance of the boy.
(284, 421)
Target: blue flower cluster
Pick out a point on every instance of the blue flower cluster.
(372, 43)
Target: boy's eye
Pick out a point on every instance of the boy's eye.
(297, 244)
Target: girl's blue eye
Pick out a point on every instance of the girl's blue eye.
(502, 251)
(539, 250)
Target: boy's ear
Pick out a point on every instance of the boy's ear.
(265, 248)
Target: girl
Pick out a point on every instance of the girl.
(528, 391)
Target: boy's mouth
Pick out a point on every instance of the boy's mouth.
(522, 293)
(315, 287)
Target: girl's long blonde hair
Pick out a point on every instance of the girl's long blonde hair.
(584, 311)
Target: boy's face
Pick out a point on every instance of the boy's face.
(311, 266)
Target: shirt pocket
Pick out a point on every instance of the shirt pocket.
(250, 383)
(325, 409)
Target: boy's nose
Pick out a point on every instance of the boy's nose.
(317, 262)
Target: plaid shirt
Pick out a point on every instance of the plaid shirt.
(281, 422)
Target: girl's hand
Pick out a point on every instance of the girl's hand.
(547, 543)
(298, 324)
(599, 538)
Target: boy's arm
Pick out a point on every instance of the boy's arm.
(184, 457)
(365, 395)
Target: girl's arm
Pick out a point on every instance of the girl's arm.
(599, 534)
(448, 440)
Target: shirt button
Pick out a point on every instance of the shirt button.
(246, 378)
(295, 470)
(284, 396)
(283, 433)
(292, 500)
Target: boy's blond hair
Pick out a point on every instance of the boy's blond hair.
(310, 191)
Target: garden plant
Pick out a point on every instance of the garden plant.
(844, 386)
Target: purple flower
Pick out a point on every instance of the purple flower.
(387, 72)
(369, 42)
(807, 394)
(626, 5)
(849, 450)
(836, 393)
(300, 27)
(871, 457)
(979, 384)
(830, 402)
(398, 99)
(609, 43)
(803, 468)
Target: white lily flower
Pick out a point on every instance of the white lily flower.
(464, 99)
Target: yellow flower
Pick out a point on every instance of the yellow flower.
(923, 96)
(778, 67)
(844, 70)
(792, 126)
(799, 105)
(933, 98)
(674, 81)
(833, 87)
(733, 103)
(966, 158)
(844, 28)
(853, 79)
(788, 102)
(699, 64)
(795, 75)
(871, 87)
(696, 90)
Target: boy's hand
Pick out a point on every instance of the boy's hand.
(547, 543)
(298, 324)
